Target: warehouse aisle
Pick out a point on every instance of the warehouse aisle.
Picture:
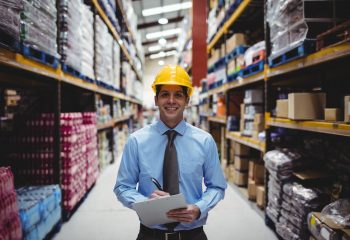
(102, 217)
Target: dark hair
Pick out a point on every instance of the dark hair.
(184, 89)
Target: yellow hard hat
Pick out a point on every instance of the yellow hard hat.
(173, 75)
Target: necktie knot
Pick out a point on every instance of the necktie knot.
(171, 136)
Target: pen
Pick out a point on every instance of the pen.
(157, 184)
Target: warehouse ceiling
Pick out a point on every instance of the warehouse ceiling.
(150, 24)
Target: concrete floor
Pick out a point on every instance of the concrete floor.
(102, 217)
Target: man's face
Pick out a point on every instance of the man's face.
(171, 102)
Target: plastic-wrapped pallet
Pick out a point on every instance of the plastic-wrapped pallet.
(87, 43)
(116, 65)
(298, 202)
(103, 52)
(109, 8)
(294, 21)
(38, 25)
(10, 21)
(73, 149)
(104, 152)
(129, 78)
(70, 33)
(10, 225)
(32, 151)
(92, 170)
(40, 209)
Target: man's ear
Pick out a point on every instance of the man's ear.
(187, 100)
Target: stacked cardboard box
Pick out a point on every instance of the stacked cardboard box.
(258, 125)
(241, 162)
(237, 39)
(256, 174)
(306, 106)
(253, 105)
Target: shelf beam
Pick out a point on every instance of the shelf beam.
(322, 56)
(109, 124)
(334, 128)
(259, 77)
(248, 141)
(221, 120)
(18, 61)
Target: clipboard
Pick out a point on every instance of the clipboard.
(153, 211)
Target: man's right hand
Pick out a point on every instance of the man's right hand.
(158, 193)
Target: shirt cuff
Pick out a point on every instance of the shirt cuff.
(203, 209)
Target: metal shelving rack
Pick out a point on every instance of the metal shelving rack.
(319, 62)
(18, 71)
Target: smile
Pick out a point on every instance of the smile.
(171, 108)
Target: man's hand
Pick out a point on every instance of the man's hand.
(158, 193)
(186, 215)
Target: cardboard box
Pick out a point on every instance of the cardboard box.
(347, 109)
(260, 196)
(242, 110)
(222, 50)
(306, 106)
(251, 190)
(231, 173)
(332, 114)
(258, 127)
(223, 164)
(282, 108)
(255, 135)
(251, 169)
(259, 173)
(326, 229)
(259, 118)
(241, 125)
(241, 163)
(241, 149)
(254, 96)
(240, 178)
(237, 39)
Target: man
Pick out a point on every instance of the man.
(178, 159)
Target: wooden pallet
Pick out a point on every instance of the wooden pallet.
(334, 36)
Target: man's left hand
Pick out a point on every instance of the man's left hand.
(186, 215)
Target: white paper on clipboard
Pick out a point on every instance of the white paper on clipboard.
(153, 212)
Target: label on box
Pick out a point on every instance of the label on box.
(324, 233)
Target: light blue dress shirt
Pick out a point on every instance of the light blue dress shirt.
(197, 157)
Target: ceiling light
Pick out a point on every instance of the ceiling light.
(163, 33)
(163, 54)
(163, 21)
(161, 62)
(162, 41)
(154, 48)
(166, 9)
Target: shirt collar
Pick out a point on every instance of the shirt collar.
(162, 128)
